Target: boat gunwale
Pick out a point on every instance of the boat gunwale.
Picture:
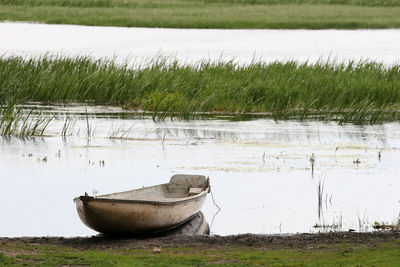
(141, 201)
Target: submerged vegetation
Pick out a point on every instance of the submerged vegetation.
(277, 14)
(358, 92)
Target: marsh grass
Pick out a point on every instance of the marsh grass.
(320, 198)
(89, 129)
(226, 14)
(15, 122)
(68, 126)
(358, 92)
(120, 133)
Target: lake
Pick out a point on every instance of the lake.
(260, 171)
(192, 45)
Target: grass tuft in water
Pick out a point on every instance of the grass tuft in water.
(68, 126)
(387, 226)
(15, 122)
(359, 92)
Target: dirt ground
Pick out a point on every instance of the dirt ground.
(302, 241)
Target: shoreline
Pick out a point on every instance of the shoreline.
(331, 249)
(260, 241)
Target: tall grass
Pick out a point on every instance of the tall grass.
(359, 92)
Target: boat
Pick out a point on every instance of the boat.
(145, 210)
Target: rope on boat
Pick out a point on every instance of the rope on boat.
(219, 209)
(216, 205)
(212, 196)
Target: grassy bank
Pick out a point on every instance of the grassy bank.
(344, 255)
(382, 253)
(277, 14)
(363, 92)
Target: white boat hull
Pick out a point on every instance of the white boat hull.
(107, 214)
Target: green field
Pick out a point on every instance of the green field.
(238, 14)
(357, 92)
(383, 254)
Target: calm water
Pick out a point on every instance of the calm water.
(260, 172)
(189, 45)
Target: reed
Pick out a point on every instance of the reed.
(320, 198)
(68, 126)
(121, 132)
(89, 129)
(358, 92)
(15, 122)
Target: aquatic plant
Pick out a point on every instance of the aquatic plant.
(312, 161)
(68, 126)
(320, 198)
(121, 132)
(89, 130)
(358, 92)
(336, 225)
(15, 122)
(387, 226)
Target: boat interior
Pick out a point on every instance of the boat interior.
(180, 186)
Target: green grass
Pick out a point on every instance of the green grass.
(384, 254)
(285, 14)
(168, 3)
(358, 92)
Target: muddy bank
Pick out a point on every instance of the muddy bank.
(302, 241)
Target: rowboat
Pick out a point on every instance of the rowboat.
(145, 210)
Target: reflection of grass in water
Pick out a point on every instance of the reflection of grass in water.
(68, 126)
(336, 225)
(323, 198)
(121, 133)
(358, 92)
(89, 130)
(15, 122)
(311, 14)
